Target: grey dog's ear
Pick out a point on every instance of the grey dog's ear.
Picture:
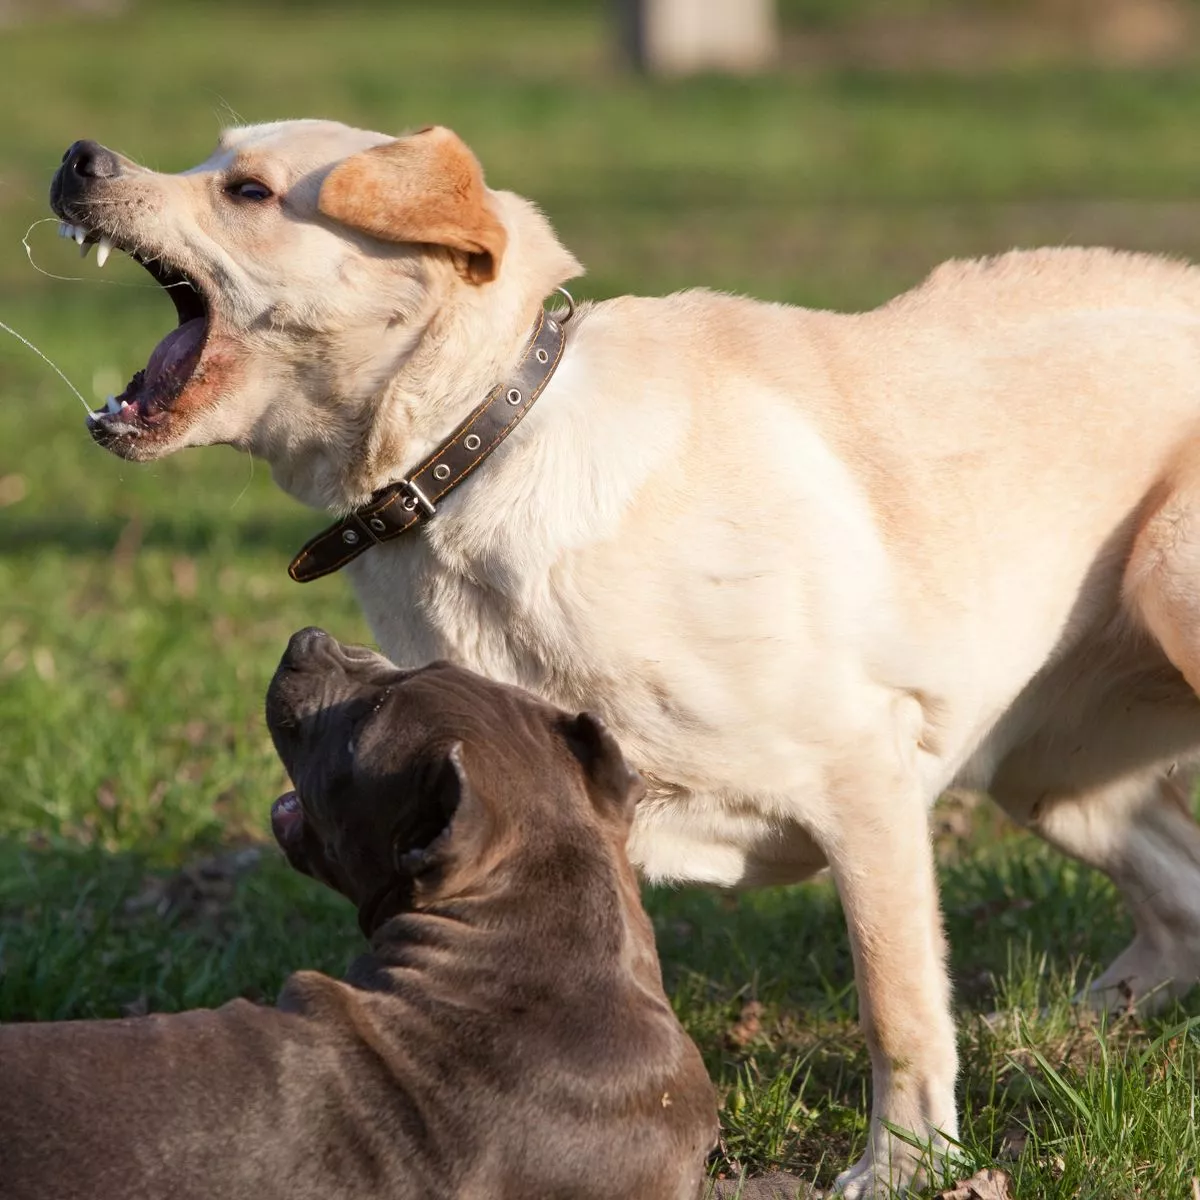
(426, 187)
(450, 808)
(612, 780)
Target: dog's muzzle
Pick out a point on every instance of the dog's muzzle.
(85, 165)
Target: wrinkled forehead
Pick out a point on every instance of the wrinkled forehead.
(289, 149)
(441, 704)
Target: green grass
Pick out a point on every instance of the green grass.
(142, 609)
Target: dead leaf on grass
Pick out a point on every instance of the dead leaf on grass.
(129, 542)
(12, 490)
(139, 1006)
(988, 1184)
(185, 577)
(44, 665)
(194, 732)
(775, 1185)
(748, 1025)
(953, 817)
(200, 890)
(1012, 1145)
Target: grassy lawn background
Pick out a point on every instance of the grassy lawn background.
(142, 609)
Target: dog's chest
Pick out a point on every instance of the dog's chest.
(534, 635)
(419, 610)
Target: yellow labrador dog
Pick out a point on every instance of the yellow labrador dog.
(812, 568)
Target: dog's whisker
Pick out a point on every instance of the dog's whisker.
(232, 116)
(246, 487)
(152, 287)
(41, 270)
(88, 408)
(25, 341)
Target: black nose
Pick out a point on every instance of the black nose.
(90, 160)
(302, 644)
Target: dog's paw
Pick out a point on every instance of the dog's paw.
(892, 1168)
(869, 1180)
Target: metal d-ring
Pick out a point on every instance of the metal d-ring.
(570, 305)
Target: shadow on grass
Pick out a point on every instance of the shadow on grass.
(762, 980)
(196, 534)
(1002, 904)
(85, 933)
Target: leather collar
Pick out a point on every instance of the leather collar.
(395, 509)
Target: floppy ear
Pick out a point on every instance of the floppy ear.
(426, 187)
(612, 779)
(451, 808)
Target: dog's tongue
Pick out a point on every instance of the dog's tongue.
(287, 819)
(175, 356)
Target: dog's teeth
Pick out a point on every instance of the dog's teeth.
(111, 405)
(63, 229)
(80, 234)
(85, 248)
(103, 252)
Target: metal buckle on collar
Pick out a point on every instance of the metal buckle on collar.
(414, 496)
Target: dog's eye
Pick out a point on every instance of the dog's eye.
(249, 189)
(364, 720)
(360, 725)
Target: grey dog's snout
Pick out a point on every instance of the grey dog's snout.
(302, 645)
(292, 686)
(87, 160)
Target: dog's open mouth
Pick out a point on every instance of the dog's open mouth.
(287, 822)
(152, 393)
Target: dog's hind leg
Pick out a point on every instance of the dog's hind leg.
(1099, 794)
(1138, 831)
(1158, 865)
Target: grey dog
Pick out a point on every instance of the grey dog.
(506, 1036)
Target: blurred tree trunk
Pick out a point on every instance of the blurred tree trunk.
(678, 37)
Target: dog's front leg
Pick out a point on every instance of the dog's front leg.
(883, 863)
